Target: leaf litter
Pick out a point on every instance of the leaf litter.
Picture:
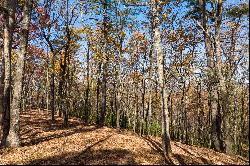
(44, 142)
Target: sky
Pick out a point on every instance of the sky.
(88, 16)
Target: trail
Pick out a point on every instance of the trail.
(47, 143)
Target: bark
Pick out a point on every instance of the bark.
(23, 102)
(117, 107)
(160, 64)
(216, 137)
(135, 109)
(52, 83)
(105, 65)
(200, 116)
(186, 119)
(1, 95)
(61, 87)
(86, 103)
(143, 100)
(223, 96)
(1, 86)
(47, 87)
(52, 89)
(171, 116)
(120, 41)
(104, 95)
(184, 114)
(64, 65)
(149, 117)
(97, 95)
(9, 6)
(241, 122)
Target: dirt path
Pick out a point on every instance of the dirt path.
(46, 143)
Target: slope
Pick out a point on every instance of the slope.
(47, 143)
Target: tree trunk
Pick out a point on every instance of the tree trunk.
(61, 87)
(9, 13)
(171, 116)
(143, 99)
(52, 89)
(13, 137)
(52, 83)
(47, 86)
(163, 92)
(86, 102)
(200, 116)
(1, 96)
(105, 64)
(223, 96)
(117, 107)
(149, 109)
(97, 95)
(241, 122)
(216, 137)
(135, 109)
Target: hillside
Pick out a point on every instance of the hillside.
(46, 143)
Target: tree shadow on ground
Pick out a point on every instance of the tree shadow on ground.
(156, 146)
(42, 122)
(34, 124)
(190, 158)
(90, 157)
(182, 159)
(208, 161)
(37, 140)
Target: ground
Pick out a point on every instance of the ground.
(43, 142)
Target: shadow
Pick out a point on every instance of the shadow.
(34, 141)
(90, 157)
(180, 158)
(27, 131)
(185, 150)
(242, 159)
(234, 157)
(156, 146)
(33, 123)
(191, 159)
(47, 124)
(206, 161)
(102, 140)
(188, 160)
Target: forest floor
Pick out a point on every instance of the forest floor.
(45, 143)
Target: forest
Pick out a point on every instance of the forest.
(175, 71)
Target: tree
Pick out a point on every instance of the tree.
(138, 65)
(9, 14)
(13, 139)
(160, 64)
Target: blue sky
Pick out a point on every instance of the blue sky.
(85, 19)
